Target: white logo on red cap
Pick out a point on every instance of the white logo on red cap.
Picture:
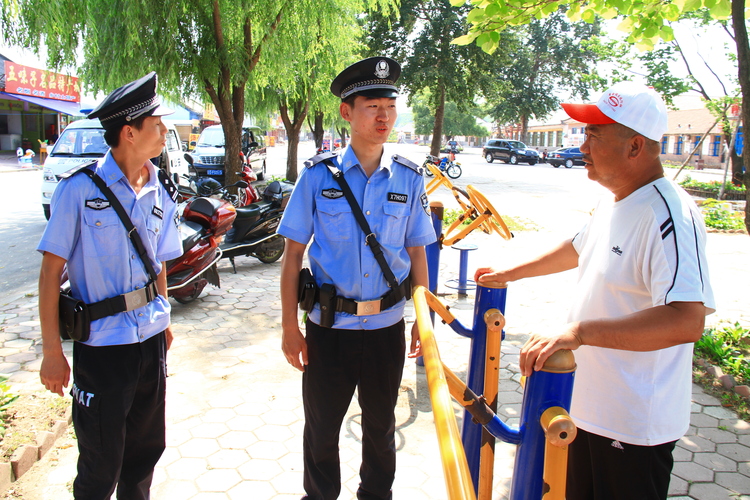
(382, 70)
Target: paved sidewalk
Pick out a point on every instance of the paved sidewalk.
(234, 409)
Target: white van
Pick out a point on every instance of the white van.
(83, 140)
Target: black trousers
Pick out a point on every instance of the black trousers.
(372, 361)
(118, 413)
(600, 468)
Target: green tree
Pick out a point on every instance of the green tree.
(199, 49)
(456, 122)
(549, 55)
(419, 37)
(646, 21)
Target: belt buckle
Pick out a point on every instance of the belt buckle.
(135, 299)
(368, 307)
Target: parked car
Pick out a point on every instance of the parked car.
(509, 151)
(566, 156)
(209, 152)
(83, 140)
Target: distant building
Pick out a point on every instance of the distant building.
(685, 129)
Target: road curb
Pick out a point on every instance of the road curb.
(24, 458)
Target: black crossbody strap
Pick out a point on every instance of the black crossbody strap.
(135, 238)
(372, 242)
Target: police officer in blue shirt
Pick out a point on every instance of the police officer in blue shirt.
(119, 373)
(362, 345)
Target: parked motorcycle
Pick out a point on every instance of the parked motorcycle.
(253, 231)
(450, 168)
(201, 185)
(203, 224)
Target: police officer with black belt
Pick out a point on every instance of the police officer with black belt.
(366, 218)
(119, 372)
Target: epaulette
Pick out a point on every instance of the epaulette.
(78, 168)
(168, 184)
(319, 158)
(408, 163)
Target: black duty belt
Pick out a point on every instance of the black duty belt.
(369, 307)
(122, 303)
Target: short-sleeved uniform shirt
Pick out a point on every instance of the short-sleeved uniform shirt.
(394, 202)
(643, 251)
(85, 231)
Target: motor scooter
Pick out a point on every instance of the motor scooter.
(201, 185)
(253, 232)
(203, 224)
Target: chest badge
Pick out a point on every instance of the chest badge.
(332, 193)
(97, 204)
(158, 212)
(398, 197)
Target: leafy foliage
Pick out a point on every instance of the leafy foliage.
(546, 56)
(455, 122)
(718, 217)
(712, 186)
(727, 346)
(6, 399)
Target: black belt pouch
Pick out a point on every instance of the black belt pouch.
(327, 305)
(307, 290)
(75, 323)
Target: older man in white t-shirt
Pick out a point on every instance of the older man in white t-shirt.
(642, 296)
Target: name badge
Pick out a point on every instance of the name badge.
(398, 198)
(158, 212)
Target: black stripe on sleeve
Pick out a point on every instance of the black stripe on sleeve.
(676, 247)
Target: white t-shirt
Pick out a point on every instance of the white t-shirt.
(643, 251)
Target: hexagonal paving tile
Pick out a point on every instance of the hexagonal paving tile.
(219, 480)
(255, 490)
(237, 439)
(690, 471)
(187, 468)
(198, 448)
(259, 469)
(228, 459)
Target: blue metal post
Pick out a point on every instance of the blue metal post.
(544, 389)
(471, 435)
(432, 252)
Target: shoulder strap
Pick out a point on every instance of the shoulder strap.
(370, 239)
(129, 227)
(322, 157)
(167, 183)
(408, 163)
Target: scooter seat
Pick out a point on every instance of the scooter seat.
(191, 233)
(254, 210)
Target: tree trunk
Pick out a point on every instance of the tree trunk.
(318, 130)
(743, 63)
(525, 129)
(293, 125)
(230, 106)
(342, 134)
(437, 129)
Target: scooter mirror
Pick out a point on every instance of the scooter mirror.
(240, 184)
(253, 145)
(189, 159)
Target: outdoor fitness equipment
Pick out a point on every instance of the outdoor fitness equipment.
(545, 429)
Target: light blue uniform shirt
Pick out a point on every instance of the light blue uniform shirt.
(395, 205)
(102, 263)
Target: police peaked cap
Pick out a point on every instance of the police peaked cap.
(129, 102)
(371, 77)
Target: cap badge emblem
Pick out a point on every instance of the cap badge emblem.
(382, 70)
(614, 100)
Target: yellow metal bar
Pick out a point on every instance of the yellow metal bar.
(560, 431)
(495, 322)
(457, 476)
(437, 306)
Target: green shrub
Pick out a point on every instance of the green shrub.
(728, 347)
(6, 398)
(718, 217)
(713, 186)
